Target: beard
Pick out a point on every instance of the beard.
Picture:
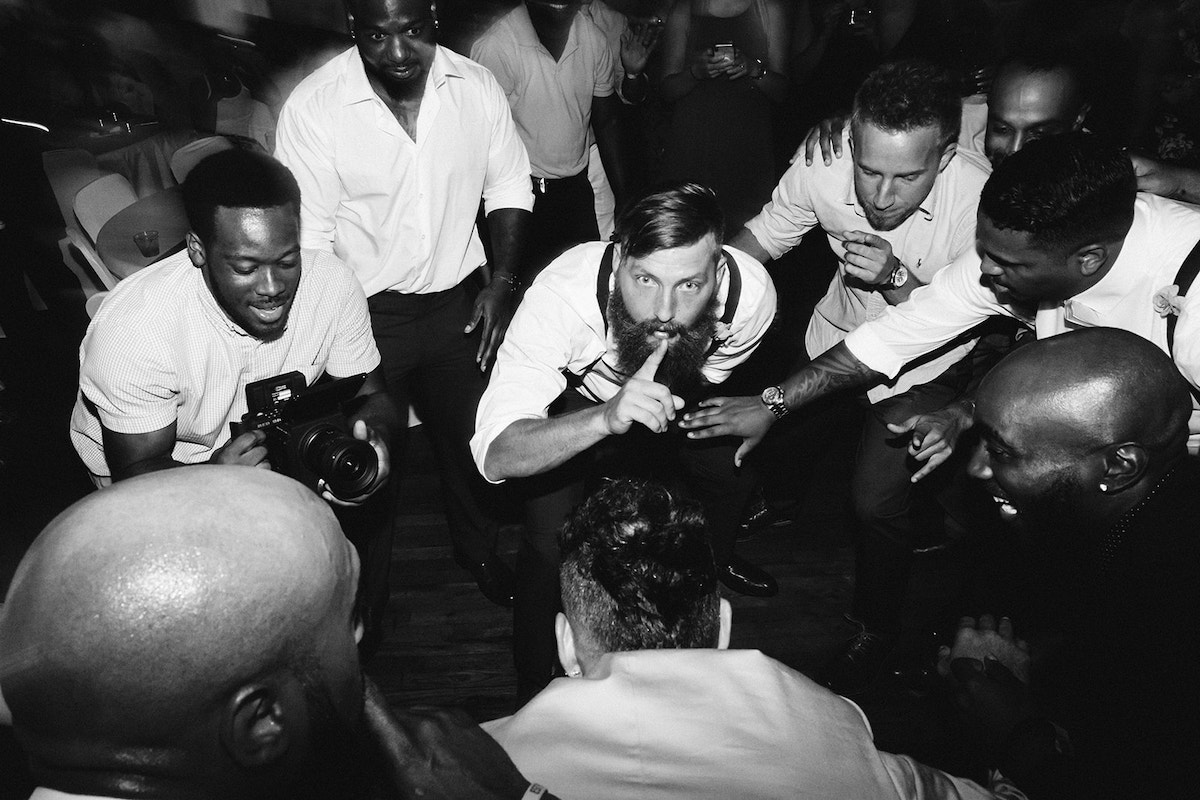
(681, 367)
(1054, 511)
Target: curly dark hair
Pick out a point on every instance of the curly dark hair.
(236, 178)
(637, 571)
(906, 95)
(1066, 191)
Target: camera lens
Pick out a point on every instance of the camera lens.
(349, 466)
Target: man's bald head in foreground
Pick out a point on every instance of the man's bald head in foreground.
(184, 632)
(1080, 426)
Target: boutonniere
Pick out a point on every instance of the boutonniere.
(1167, 301)
(721, 333)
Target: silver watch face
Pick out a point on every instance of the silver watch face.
(772, 395)
(899, 276)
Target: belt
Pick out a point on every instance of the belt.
(542, 185)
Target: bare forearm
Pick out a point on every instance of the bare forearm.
(834, 370)
(533, 446)
(380, 413)
(145, 465)
(506, 229)
(745, 241)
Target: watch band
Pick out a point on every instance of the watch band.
(897, 277)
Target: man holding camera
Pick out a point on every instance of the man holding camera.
(165, 363)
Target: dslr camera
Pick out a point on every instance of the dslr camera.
(307, 435)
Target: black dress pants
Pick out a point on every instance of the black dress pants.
(429, 363)
(564, 215)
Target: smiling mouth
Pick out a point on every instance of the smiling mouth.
(269, 314)
(1007, 510)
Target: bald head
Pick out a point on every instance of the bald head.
(1106, 384)
(140, 609)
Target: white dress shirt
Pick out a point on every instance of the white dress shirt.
(939, 230)
(1162, 234)
(399, 212)
(551, 100)
(161, 350)
(559, 325)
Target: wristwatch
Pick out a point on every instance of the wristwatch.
(897, 278)
(772, 398)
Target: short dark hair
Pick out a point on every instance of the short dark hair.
(1051, 54)
(673, 216)
(1066, 191)
(905, 95)
(236, 178)
(637, 570)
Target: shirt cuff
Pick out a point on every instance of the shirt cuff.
(868, 348)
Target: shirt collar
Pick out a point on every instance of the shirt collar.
(359, 89)
(1094, 303)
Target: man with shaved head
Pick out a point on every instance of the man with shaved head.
(1084, 443)
(191, 633)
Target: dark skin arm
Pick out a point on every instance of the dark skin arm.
(606, 124)
(493, 305)
(834, 370)
(440, 753)
(130, 454)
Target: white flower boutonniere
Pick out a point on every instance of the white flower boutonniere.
(1167, 301)
(721, 333)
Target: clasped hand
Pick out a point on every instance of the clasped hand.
(989, 667)
(709, 64)
(868, 257)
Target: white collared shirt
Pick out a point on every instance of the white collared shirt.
(401, 213)
(160, 350)
(1162, 234)
(551, 100)
(559, 325)
(940, 229)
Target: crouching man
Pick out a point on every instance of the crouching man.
(611, 342)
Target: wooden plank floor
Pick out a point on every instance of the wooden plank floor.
(445, 644)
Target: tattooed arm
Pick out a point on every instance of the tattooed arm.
(748, 417)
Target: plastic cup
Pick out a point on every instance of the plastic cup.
(147, 242)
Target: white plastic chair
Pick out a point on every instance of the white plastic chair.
(193, 153)
(100, 200)
(69, 171)
(96, 204)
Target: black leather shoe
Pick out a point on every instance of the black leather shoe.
(762, 516)
(743, 577)
(493, 577)
(859, 664)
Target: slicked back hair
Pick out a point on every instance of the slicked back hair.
(1066, 191)
(637, 571)
(236, 178)
(675, 216)
(907, 95)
